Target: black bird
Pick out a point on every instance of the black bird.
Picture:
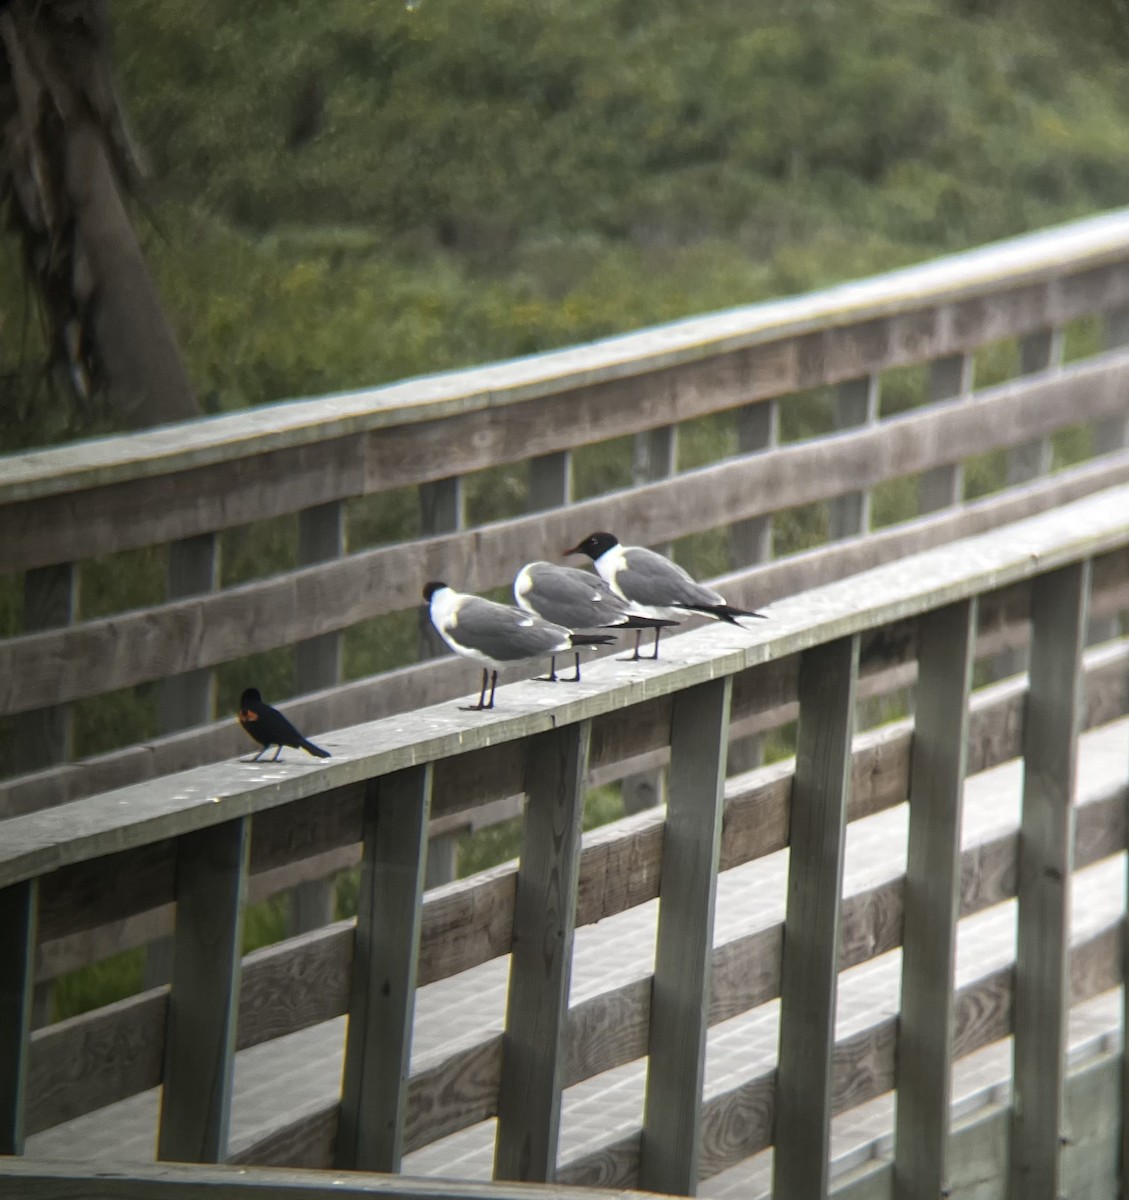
(496, 634)
(270, 728)
(654, 584)
(577, 600)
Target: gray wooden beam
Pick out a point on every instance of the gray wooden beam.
(321, 537)
(1037, 352)
(45, 736)
(809, 973)
(654, 457)
(442, 509)
(950, 378)
(946, 641)
(1059, 604)
(189, 699)
(856, 405)
(550, 481)
(758, 428)
(750, 542)
(676, 1047)
(533, 1052)
(19, 908)
(211, 888)
(370, 1131)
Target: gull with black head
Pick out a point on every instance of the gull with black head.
(653, 584)
(577, 600)
(497, 634)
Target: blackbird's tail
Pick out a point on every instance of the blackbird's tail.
(591, 639)
(316, 751)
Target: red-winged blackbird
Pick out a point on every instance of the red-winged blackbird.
(270, 728)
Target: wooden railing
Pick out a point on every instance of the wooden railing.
(193, 839)
(183, 487)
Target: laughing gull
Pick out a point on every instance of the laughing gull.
(577, 600)
(654, 584)
(496, 634)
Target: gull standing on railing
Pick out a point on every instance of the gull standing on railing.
(654, 584)
(497, 634)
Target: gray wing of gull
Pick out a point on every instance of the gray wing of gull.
(573, 598)
(648, 578)
(504, 633)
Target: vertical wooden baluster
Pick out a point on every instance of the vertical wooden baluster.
(750, 542)
(184, 700)
(550, 481)
(529, 1094)
(1113, 433)
(1037, 352)
(1059, 604)
(45, 736)
(758, 428)
(676, 1050)
(19, 909)
(321, 537)
(370, 1130)
(442, 509)
(809, 972)
(317, 665)
(654, 456)
(189, 699)
(211, 890)
(856, 405)
(946, 641)
(950, 378)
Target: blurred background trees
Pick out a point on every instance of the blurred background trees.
(345, 193)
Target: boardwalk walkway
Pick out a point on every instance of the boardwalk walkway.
(306, 1066)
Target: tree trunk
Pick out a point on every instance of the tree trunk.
(65, 161)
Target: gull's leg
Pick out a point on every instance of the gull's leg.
(493, 685)
(576, 677)
(552, 676)
(481, 695)
(658, 634)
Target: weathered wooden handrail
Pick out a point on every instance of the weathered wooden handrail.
(385, 773)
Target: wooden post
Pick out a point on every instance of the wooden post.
(189, 699)
(654, 456)
(44, 736)
(1037, 352)
(550, 481)
(946, 642)
(442, 509)
(949, 379)
(809, 974)
(529, 1094)
(184, 700)
(699, 733)
(321, 536)
(19, 909)
(856, 404)
(211, 889)
(1113, 434)
(750, 542)
(317, 665)
(370, 1130)
(1059, 605)
(758, 428)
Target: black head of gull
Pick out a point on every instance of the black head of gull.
(654, 584)
(496, 634)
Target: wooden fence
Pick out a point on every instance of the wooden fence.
(193, 839)
(183, 488)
